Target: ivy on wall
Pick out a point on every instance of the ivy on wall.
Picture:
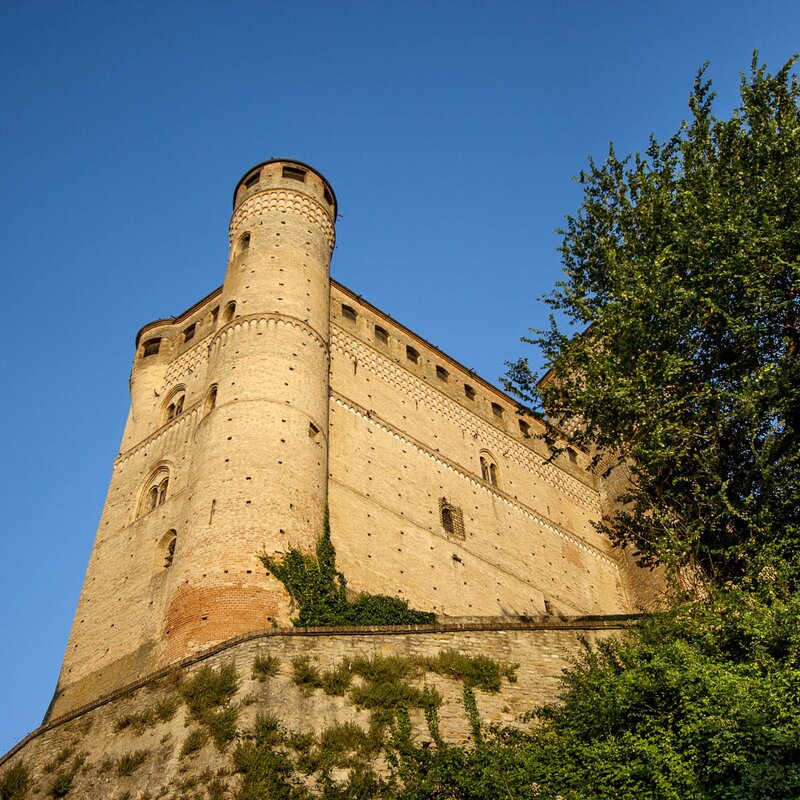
(319, 591)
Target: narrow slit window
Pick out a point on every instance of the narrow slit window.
(442, 374)
(211, 400)
(151, 348)
(313, 431)
(188, 332)
(469, 392)
(168, 545)
(381, 334)
(349, 313)
(412, 355)
(294, 173)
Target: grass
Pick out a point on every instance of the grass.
(128, 764)
(306, 674)
(194, 742)
(15, 782)
(209, 688)
(265, 666)
(162, 710)
(337, 681)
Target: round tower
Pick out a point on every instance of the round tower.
(258, 479)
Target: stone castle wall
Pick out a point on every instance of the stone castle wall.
(95, 737)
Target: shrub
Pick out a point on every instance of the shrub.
(337, 681)
(265, 666)
(194, 742)
(128, 764)
(209, 688)
(305, 674)
(15, 782)
(221, 725)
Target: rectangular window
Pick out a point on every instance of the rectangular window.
(294, 173)
(252, 180)
(497, 410)
(442, 374)
(188, 333)
(412, 355)
(348, 312)
(524, 428)
(151, 348)
(381, 334)
(469, 392)
(328, 196)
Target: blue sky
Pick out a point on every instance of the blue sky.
(449, 131)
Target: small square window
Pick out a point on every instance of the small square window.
(348, 312)
(442, 374)
(524, 428)
(252, 180)
(381, 334)
(497, 410)
(294, 173)
(188, 333)
(412, 354)
(469, 392)
(151, 348)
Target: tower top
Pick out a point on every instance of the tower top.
(279, 173)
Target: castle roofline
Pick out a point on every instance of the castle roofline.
(378, 312)
(183, 315)
(289, 161)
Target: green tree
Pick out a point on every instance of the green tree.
(681, 268)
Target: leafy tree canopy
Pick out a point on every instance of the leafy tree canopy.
(683, 266)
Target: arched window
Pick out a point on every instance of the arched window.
(243, 243)
(211, 400)
(230, 310)
(174, 404)
(447, 519)
(155, 492)
(489, 471)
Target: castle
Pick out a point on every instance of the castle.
(283, 392)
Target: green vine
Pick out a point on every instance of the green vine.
(319, 591)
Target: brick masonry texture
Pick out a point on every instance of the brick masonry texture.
(281, 393)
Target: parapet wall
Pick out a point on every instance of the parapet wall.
(541, 649)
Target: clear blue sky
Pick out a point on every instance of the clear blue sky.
(449, 131)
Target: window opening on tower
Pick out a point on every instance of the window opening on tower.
(294, 173)
(188, 332)
(151, 347)
(252, 180)
(349, 313)
(230, 310)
